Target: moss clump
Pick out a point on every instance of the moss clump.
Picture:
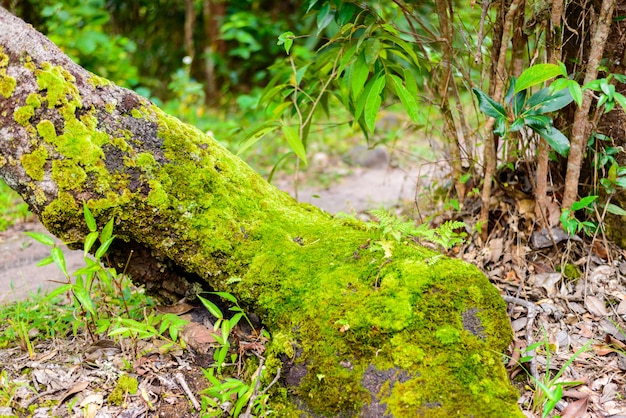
(67, 175)
(126, 385)
(570, 272)
(34, 163)
(23, 114)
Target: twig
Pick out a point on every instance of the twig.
(530, 318)
(255, 393)
(183, 384)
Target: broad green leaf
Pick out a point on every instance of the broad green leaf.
(365, 94)
(615, 210)
(409, 79)
(373, 102)
(549, 102)
(286, 39)
(535, 75)
(554, 138)
(45, 261)
(347, 58)
(584, 202)
(517, 125)
(83, 297)
(59, 259)
(538, 121)
(408, 102)
(346, 11)
(103, 248)
(107, 231)
(293, 138)
(360, 72)
(324, 17)
(211, 307)
(42, 238)
(371, 51)
(576, 91)
(489, 106)
(620, 99)
(225, 295)
(90, 239)
(91, 222)
(257, 134)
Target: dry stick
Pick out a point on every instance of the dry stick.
(490, 151)
(532, 313)
(580, 128)
(183, 385)
(255, 393)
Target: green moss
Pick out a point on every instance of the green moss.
(23, 114)
(125, 386)
(34, 163)
(67, 174)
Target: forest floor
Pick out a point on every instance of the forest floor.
(566, 301)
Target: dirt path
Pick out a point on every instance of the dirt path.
(19, 255)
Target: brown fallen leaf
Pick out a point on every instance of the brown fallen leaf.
(575, 409)
(177, 309)
(198, 337)
(595, 306)
(77, 388)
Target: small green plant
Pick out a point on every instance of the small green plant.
(522, 110)
(548, 388)
(571, 224)
(124, 312)
(231, 394)
(444, 236)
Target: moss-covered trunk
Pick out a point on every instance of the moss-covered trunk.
(362, 326)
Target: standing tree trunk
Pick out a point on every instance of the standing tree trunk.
(362, 324)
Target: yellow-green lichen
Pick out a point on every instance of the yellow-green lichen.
(4, 58)
(3, 161)
(136, 114)
(126, 385)
(34, 163)
(67, 174)
(58, 83)
(109, 107)
(7, 84)
(97, 81)
(33, 100)
(23, 114)
(46, 130)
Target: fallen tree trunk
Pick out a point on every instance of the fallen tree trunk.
(364, 325)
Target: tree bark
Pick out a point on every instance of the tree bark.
(362, 324)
